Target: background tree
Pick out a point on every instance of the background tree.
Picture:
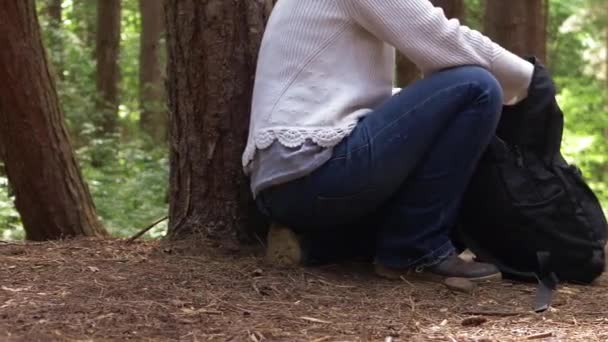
(84, 21)
(51, 196)
(407, 72)
(209, 92)
(108, 72)
(153, 117)
(518, 25)
(54, 12)
(452, 8)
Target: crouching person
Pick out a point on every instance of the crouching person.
(354, 170)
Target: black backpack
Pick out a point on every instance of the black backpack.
(526, 209)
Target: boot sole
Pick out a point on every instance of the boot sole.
(422, 276)
(283, 247)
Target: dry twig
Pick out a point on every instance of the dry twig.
(147, 229)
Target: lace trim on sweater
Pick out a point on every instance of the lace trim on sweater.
(294, 137)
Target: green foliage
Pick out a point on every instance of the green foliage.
(130, 189)
(576, 53)
(129, 65)
(474, 11)
(127, 175)
(10, 222)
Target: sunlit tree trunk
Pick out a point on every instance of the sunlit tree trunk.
(518, 25)
(108, 73)
(50, 194)
(153, 119)
(209, 90)
(407, 72)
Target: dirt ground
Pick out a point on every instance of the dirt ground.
(108, 290)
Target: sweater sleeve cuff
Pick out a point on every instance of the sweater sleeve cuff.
(514, 75)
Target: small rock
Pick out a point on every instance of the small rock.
(460, 285)
(93, 269)
(473, 321)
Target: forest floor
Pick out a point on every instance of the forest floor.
(108, 290)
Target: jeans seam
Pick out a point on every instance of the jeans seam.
(355, 150)
(422, 103)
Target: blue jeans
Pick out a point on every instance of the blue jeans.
(394, 186)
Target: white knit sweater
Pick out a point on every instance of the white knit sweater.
(324, 64)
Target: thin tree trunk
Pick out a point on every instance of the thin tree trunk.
(209, 90)
(108, 73)
(407, 72)
(518, 25)
(85, 16)
(54, 12)
(51, 196)
(153, 119)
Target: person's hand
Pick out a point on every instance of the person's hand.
(525, 122)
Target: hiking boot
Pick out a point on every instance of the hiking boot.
(452, 267)
(283, 247)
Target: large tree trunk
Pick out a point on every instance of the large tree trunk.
(212, 48)
(407, 72)
(518, 25)
(153, 119)
(108, 73)
(51, 196)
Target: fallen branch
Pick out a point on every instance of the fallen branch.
(314, 320)
(494, 313)
(147, 229)
(540, 336)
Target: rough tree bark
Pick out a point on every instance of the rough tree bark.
(108, 73)
(407, 72)
(153, 119)
(518, 25)
(51, 196)
(212, 47)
